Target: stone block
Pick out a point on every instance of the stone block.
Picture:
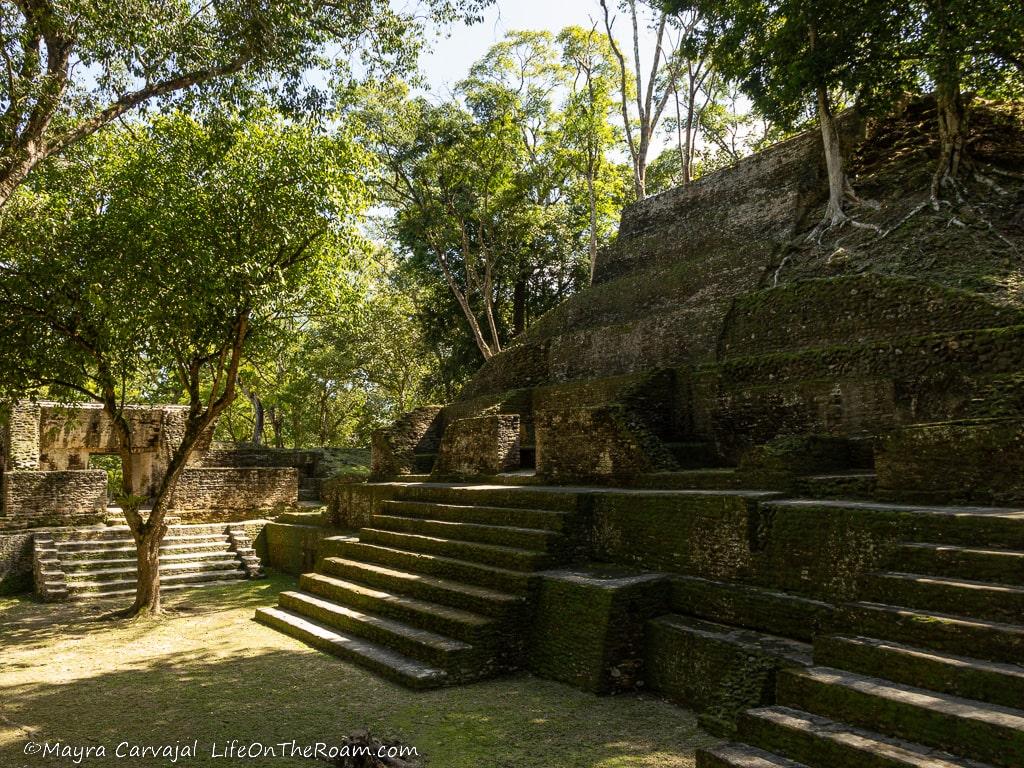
(703, 533)
(208, 494)
(33, 499)
(483, 445)
(607, 442)
(15, 563)
(978, 461)
(716, 670)
(588, 626)
(21, 437)
(394, 450)
(294, 549)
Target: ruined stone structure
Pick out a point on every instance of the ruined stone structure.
(58, 530)
(749, 461)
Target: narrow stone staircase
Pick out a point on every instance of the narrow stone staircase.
(77, 564)
(436, 590)
(927, 670)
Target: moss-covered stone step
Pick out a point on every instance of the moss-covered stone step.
(103, 570)
(735, 755)
(453, 656)
(71, 546)
(527, 497)
(550, 520)
(716, 670)
(381, 660)
(965, 727)
(819, 741)
(502, 535)
(516, 582)
(741, 605)
(964, 526)
(127, 584)
(454, 622)
(849, 485)
(488, 602)
(976, 599)
(976, 638)
(1004, 566)
(127, 549)
(714, 479)
(512, 558)
(694, 454)
(127, 559)
(991, 681)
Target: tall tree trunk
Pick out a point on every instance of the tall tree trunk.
(952, 128)
(276, 425)
(519, 305)
(837, 182)
(147, 591)
(257, 412)
(592, 199)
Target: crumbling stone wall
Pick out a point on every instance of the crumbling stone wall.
(485, 445)
(32, 499)
(214, 494)
(47, 481)
(395, 449)
(15, 563)
(599, 443)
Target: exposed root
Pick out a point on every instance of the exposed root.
(775, 279)
(916, 210)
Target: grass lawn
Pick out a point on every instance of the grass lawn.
(210, 673)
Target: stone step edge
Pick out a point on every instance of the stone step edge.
(377, 658)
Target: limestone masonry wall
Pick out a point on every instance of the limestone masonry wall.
(53, 498)
(485, 445)
(233, 493)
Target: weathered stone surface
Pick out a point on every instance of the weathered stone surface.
(710, 534)
(207, 494)
(717, 670)
(21, 437)
(294, 549)
(587, 629)
(967, 462)
(485, 445)
(53, 498)
(604, 442)
(15, 563)
(395, 449)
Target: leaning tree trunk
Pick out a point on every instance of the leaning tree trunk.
(837, 182)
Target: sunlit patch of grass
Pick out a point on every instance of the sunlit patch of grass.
(207, 671)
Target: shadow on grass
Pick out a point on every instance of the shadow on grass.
(213, 675)
(26, 620)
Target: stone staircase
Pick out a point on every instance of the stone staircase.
(86, 563)
(436, 590)
(927, 670)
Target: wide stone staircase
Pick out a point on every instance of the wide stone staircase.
(926, 670)
(437, 589)
(86, 563)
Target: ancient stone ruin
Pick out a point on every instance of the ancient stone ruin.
(777, 484)
(59, 529)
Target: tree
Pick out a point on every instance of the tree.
(73, 67)
(588, 134)
(168, 250)
(651, 96)
(959, 41)
(333, 375)
(795, 55)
